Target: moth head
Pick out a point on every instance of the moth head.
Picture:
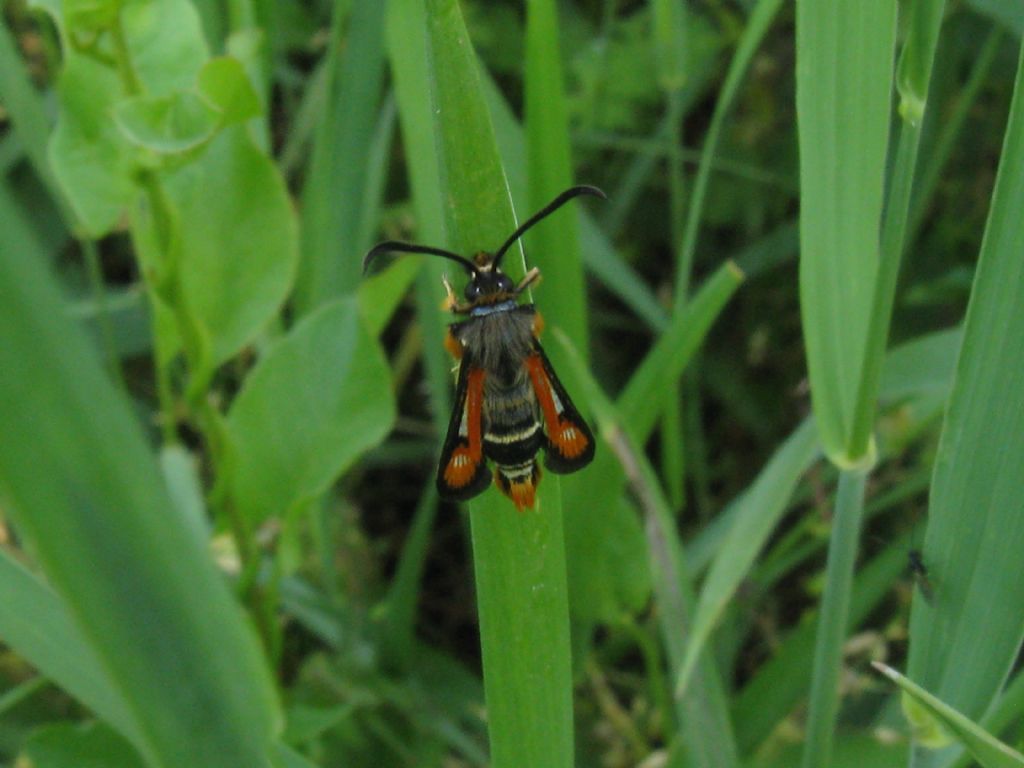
(485, 276)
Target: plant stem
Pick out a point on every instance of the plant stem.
(834, 620)
(893, 234)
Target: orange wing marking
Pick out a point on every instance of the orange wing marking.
(563, 434)
(466, 458)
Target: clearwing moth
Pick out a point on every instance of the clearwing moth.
(509, 402)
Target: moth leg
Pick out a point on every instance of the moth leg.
(530, 278)
(538, 325)
(452, 344)
(451, 301)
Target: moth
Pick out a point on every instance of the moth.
(509, 402)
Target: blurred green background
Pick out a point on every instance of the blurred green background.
(221, 543)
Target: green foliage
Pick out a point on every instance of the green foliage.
(220, 541)
(307, 410)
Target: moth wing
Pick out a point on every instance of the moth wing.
(569, 443)
(462, 472)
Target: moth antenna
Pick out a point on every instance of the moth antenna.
(395, 245)
(554, 205)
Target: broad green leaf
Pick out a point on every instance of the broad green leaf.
(760, 509)
(380, 294)
(92, 745)
(316, 400)
(171, 124)
(224, 83)
(87, 17)
(238, 240)
(976, 512)
(85, 493)
(91, 159)
(166, 45)
(518, 558)
(987, 749)
(844, 77)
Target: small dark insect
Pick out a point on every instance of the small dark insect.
(915, 562)
(509, 402)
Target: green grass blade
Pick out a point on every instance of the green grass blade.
(599, 255)
(936, 159)
(408, 56)
(844, 76)
(987, 749)
(760, 21)
(1001, 717)
(914, 76)
(35, 624)
(83, 489)
(914, 71)
(703, 719)
(554, 244)
(976, 518)
(518, 558)
(641, 402)
(760, 509)
(334, 194)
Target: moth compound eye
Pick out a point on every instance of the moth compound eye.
(472, 292)
(505, 285)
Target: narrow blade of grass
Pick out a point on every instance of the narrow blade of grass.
(518, 558)
(640, 401)
(702, 717)
(757, 27)
(976, 518)
(987, 749)
(599, 255)
(844, 76)
(35, 624)
(334, 194)
(553, 245)
(760, 509)
(407, 53)
(914, 76)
